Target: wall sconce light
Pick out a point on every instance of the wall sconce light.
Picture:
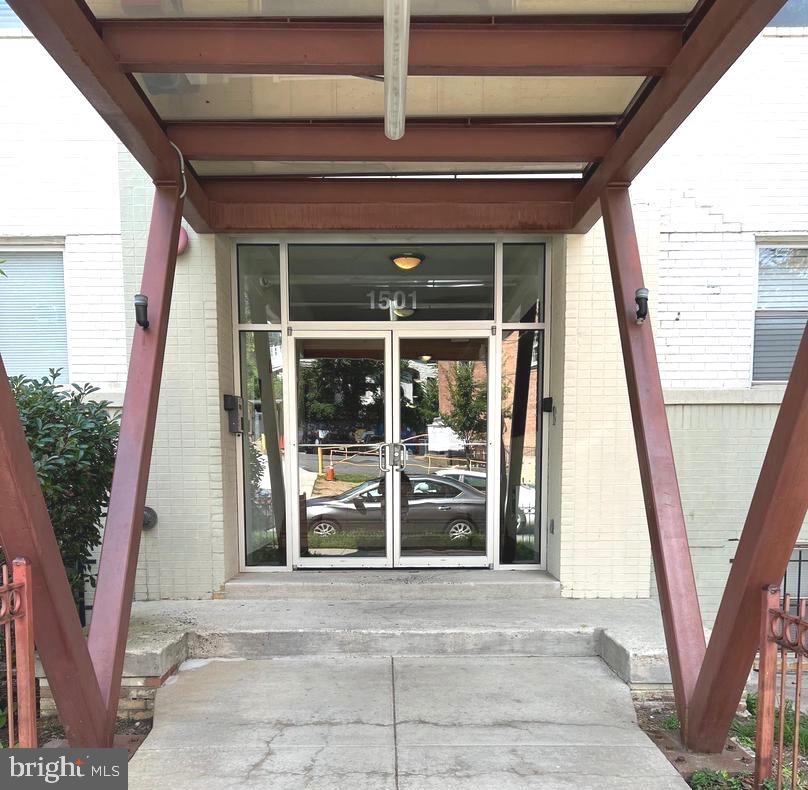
(142, 310)
(641, 298)
(407, 260)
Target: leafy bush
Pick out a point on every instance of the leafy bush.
(72, 441)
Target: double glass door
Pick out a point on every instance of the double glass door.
(386, 422)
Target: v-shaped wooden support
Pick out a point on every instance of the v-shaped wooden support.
(681, 615)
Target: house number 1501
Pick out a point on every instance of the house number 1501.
(384, 300)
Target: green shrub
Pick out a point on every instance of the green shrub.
(72, 441)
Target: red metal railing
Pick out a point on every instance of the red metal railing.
(16, 617)
(783, 635)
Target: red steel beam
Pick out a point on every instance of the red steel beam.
(118, 564)
(772, 527)
(72, 40)
(434, 142)
(497, 48)
(681, 615)
(726, 30)
(26, 531)
(250, 204)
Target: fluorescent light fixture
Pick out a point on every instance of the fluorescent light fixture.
(396, 59)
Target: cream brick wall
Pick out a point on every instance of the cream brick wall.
(188, 554)
(735, 173)
(604, 550)
(59, 188)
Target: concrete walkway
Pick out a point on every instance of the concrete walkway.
(472, 722)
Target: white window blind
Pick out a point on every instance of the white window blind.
(782, 310)
(33, 325)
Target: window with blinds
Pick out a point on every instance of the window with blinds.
(8, 19)
(33, 324)
(782, 310)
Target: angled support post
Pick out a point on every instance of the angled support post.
(772, 527)
(116, 569)
(26, 531)
(681, 615)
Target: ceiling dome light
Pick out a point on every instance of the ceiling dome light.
(425, 357)
(407, 260)
(403, 312)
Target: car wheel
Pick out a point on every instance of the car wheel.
(323, 527)
(460, 528)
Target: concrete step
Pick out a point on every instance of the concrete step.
(394, 585)
(626, 634)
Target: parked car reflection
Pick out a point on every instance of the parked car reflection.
(430, 504)
(478, 479)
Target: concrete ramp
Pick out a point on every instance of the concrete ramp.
(472, 722)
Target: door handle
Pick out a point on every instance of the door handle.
(444, 507)
(402, 457)
(383, 468)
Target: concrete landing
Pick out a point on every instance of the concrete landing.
(394, 585)
(403, 723)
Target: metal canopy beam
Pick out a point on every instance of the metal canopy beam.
(772, 527)
(678, 597)
(336, 204)
(119, 551)
(726, 30)
(73, 42)
(460, 48)
(424, 142)
(26, 531)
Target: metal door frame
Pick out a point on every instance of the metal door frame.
(293, 514)
(493, 419)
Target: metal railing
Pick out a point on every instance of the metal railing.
(16, 617)
(795, 579)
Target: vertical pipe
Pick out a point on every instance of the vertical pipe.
(396, 62)
(767, 676)
(118, 563)
(24, 656)
(681, 614)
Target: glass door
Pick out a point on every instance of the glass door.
(392, 449)
(442, 474)
(344, 432)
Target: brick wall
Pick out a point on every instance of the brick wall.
(735, 173)
(186, 555)
(59, 177)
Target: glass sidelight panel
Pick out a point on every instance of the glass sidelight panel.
(520, 506)
(259, 284)
(443, 411)
(523, 283)
(341, 430)
(263, 448)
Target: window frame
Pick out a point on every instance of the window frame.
(789, 243)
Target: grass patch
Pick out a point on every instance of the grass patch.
(743, 730)
(721, 780)
(672, 722)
